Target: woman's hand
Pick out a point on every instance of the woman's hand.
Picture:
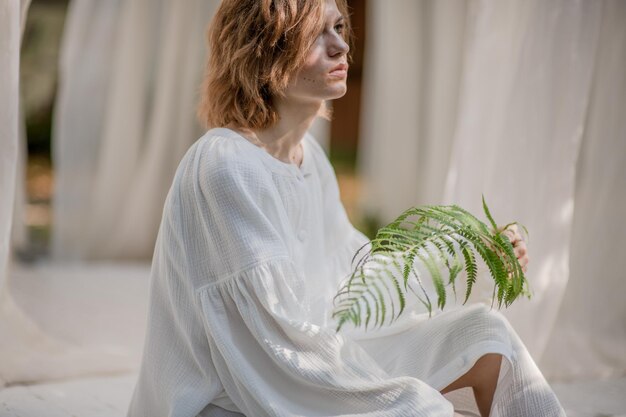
(519, 246)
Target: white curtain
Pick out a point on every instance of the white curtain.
(12, 18)
(517, 101)
(409, 105)
(591, 321)
(84, 78)
(9, 85)
(29, 353)
(129, 80)
(32, 353)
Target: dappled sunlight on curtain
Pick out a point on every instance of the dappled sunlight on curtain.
(591, 322)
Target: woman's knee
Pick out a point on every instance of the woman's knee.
(485, 315)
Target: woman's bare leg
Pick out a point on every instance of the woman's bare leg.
(483, 378)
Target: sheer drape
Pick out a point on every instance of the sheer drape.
(22, 341)
(591, 322)
(413, 63)
(524, 100)
(84, 79)
(12, 18)
(125, 115)
(9, 56)
(29, 353)
(506, 118)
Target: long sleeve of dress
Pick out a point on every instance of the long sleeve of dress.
(250, 296)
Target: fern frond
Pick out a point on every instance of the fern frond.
(445, 240)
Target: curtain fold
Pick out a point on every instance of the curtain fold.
(591, 322)
(412, 70)
(12, 19)
(9, 82)
(127, 141)
(524, 101)
(81, 104)
(505, 119)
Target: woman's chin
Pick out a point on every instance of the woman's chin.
(337, 91)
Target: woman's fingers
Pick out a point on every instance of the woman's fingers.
(520, 249)
(519, 245)
(512, 232)
(523, 262)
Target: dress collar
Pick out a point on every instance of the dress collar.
(303, 171)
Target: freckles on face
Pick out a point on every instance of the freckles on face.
(313, 80)
(312, 73)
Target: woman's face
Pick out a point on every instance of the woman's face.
(323, 75)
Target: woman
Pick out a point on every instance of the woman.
(254, 242)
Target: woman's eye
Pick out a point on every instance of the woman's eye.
(339, 28)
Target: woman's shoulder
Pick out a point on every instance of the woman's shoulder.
(223, 149)
(216, 162)
(219, 151)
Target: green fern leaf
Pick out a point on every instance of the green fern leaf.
(445, 240)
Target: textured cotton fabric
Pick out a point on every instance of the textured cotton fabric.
(250, 252)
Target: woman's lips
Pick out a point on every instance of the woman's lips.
(340, 71)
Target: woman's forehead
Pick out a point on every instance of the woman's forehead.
(331, 11)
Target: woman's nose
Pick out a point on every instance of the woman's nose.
(338, 46)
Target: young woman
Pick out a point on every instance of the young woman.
(254, 242)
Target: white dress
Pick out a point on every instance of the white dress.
(249, 255)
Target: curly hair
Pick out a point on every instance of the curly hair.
(254, 48)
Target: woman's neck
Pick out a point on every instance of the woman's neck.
(282, 140)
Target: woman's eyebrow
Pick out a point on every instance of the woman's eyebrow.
(340, 17)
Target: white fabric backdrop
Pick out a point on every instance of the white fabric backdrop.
(591, 322)
(145, 62)
(496, 99)
(9, 83)
(84, 70)
(12, 18)
(27, 353)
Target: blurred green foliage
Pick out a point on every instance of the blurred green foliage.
(38, 70)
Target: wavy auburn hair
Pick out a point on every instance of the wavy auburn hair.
(255, 46)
